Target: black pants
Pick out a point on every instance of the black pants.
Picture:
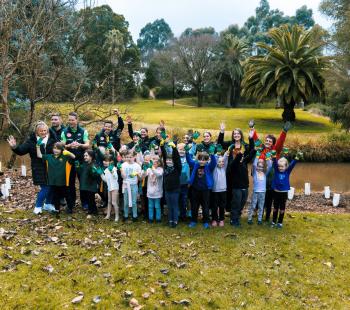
(279, 204)
(239, 198)
(268, 203)
(200, 198)
(88, 198)
(218, 210)
(144, 202)
(72, 192)
(59, 192)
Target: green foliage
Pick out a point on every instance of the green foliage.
(152, 74)
(291, 70)
(154, 37)
(144, 91)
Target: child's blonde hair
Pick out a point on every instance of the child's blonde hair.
(158, 159)
(283, 161)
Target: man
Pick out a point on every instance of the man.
(76, 140)
(56, 126)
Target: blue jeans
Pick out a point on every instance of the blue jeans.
(183, 200)
(154, 203)
(42, 195)
(134, 190)
(257, 198)
(172, 201)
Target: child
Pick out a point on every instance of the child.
(154, 174)
(145, 164)
(131, 172)
(184, 179)
(260, 170)
(110, 176)
(219, 191)
(202, 182)
(172, 172)
(280, 185)
(58, 170)
(88, 181)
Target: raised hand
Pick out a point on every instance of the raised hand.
(222, 127)
(251, 123)
(299, 155)
(128, 119)
(116, 112)
(12, 141)
(162, 124)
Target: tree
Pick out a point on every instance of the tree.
(115, 49)
(303, 17)
(154, 37)
(29, 32)
(291, 69)
(189, 32)
(97, 22)
(232, 52)
(196, 55)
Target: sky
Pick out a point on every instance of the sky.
(181, 14)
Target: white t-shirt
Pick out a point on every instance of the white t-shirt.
(129, 170)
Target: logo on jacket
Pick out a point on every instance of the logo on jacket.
(69, 134)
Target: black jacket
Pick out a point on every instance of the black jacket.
(56, 134)
(237, 168)
(39, 172)
(172, 174)
(145, 142)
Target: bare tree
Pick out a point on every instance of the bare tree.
(28, 32)
(196, 54)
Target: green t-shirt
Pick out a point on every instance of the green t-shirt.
(58, 169)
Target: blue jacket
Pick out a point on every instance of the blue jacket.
(208, 169)
(185, 172)
(280, 180)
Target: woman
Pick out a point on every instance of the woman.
(41, 137)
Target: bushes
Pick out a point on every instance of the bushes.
(318, 109)
(144, 91)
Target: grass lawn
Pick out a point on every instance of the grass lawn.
(304, 265)
(186, 116)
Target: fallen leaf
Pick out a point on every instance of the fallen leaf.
(96, 299)
(77, 299)
(277, 262)
(145, 295)
(48, 268)
(267, 281)
(128, 294)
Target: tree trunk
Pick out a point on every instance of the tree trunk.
(173, 91)
(5, 117)
(228, 97)
(288, 112)
(199, 97)
(113, 90)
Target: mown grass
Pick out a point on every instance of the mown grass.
(304, 265)
(187, 116)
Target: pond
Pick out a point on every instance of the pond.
(335, 175)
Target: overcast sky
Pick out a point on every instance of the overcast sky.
(180, 14)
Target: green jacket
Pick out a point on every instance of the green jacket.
(88, 179)
(58, 169)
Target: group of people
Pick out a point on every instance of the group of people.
(148, 173)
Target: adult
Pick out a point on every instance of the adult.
(42, 138)
(76, 140)
(240, 154)
(56, 126)
(144, 137)
(206, 143)
(109, 137)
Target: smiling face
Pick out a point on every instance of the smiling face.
(135, 138)
(237, 137)
(144, 133)
(206, 137)
(186, 139)
(56, 121)
(41, 131)
(72, 121)
(169, 162)
(268, 142)
(282, 165)
(107, 128)
(56, 151)
(181, 149)
(87, 158)
(260, 165)
(221, 162)
(147, 159)
(106, 163)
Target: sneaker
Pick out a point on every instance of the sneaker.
(37, 210)
(125, 219)
(206, 225)
(259, 222)
(273, 224)
(279, 225)
(49, 207)
(192, 224)
(89, 217)
(116, 220)
(250, 222)
(214, 223)
(221, 223)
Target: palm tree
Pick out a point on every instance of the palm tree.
(291, 69)
(232, 53)
(115, 49)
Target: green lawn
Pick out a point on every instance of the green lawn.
(304, 265)
(187, 116)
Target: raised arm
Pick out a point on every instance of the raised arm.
(21, 149)
(130, 129)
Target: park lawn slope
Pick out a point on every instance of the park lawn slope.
(303, 265)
